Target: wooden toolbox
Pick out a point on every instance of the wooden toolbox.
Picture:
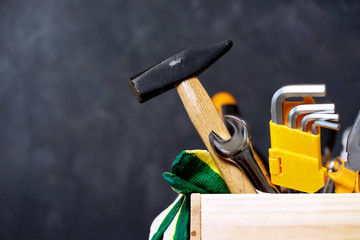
(275, 216)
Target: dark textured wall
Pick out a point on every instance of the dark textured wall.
(81, 159)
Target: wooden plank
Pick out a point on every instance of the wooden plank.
(280, 216)
(195, 220)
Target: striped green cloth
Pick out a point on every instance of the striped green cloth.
(192, 172)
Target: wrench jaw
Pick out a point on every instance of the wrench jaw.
(217, 143)
(239, 140)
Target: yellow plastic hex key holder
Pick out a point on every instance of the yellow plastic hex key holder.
(295, 156)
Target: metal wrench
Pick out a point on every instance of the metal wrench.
(239, 151)
(307, 108)
(311, 90)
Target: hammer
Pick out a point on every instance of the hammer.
(181, 71)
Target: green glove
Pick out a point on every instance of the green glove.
(192, 172)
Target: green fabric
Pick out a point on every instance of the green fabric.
(182, 229)
(181, 186)
(189, 174)
(193, 170)
(168, 219)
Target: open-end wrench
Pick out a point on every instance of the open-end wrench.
(239, 151)
(316, 116)
(311, 90)
(325, 124)
(307, 108)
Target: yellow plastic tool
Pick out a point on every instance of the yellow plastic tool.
(337, 163)
(224, 99)
(345, 180)
(357, 187)
(295, 156)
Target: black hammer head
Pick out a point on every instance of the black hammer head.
(167, 74)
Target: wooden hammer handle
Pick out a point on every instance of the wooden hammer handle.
(205, 119)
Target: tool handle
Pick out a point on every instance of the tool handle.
(205, 119)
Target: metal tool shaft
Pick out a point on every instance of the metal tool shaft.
(246, 162)
(311, 90)
(316, 116)
(325, 124)
(307, 108)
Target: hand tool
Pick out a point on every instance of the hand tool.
(226, 104)
(353, 145)
(316, 116)
(295, 156)
(307, 108)
(347, 178)
(344, 138)
(312, 90)
(325, 124)
(180, 71)
(329, 185)
(239, 151)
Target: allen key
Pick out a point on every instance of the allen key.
(316, 116)
(325, 124)
(307, 108)
(310, 90)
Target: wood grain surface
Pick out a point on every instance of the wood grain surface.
(195, 211)
(280, 216)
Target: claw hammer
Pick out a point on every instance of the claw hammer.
(180, 71)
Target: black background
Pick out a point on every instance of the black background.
(80, 158)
